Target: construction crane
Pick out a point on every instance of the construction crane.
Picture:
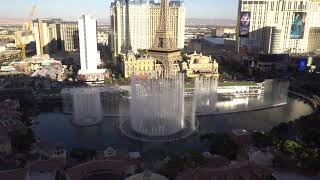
(22, 41)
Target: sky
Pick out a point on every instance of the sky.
(72, 9)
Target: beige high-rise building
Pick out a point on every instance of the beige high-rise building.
(278, 26)
(69, 36)
(53, 35)
(134, 24)
(47, 35)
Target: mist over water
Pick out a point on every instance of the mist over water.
(157, 106)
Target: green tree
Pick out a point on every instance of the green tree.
(22, 142)
(174, 166)
(108, 81)
(143, 51)
(281, 131)
(262, 140)
(290, 147)
(196, 158)
(82, 153)
(222, 144)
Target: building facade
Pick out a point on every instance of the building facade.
(134, 24)
(147, 66)
(47, 35)
(222, 31)
(89, 54)
(69, 36)
(198, 64)
(53, 35)
(314, 39)
(88, 42)
(144, 66)
(103, 38)
(278, 26)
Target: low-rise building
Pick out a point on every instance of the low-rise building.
(138, 66)
(48, 68)
(10, 116)
(102, 38)
(7, 69)
(223, 32)
(8, 56)
(97, 76)
(198, 64)
(272, 63)
(240, 88)
(39, 62)
(47, 151)
(194, 65)
(144, 66)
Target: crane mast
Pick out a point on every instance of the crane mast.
(22, 41)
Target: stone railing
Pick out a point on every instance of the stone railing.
(116, 167)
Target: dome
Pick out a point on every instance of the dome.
(147, 175)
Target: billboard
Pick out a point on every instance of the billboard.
(245, 18)
(298, 25)
(302, 65)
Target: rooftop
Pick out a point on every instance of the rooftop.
(240, 83)
(9, 52)
(143, 2)
(240, 171)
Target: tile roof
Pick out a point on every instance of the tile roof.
(240, 171)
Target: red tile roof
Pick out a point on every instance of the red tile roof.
(241, 171)
(16, 174)
(116, 167)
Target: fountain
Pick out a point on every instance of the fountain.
(273, 93)
(206, 93)
(158, 112)
(276, 91)
(92, 103)
(87, 108)
(86, 105)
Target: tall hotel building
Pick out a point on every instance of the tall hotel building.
(134, 24)
(89, 56)
(69, 36)
(279, 26)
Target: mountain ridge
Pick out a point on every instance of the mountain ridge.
(207, 21)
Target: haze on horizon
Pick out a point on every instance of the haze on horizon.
(72, 9)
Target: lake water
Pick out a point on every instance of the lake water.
(57, 128)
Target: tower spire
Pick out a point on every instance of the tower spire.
(164, 47)
(164, 36)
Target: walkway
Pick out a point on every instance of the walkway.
(291, 176)
(311, 101)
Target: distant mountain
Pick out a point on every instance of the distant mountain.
(103, 21)
(189, 21)
(221, 22)
(12, 21)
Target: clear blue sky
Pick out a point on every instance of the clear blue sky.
(71, 9)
